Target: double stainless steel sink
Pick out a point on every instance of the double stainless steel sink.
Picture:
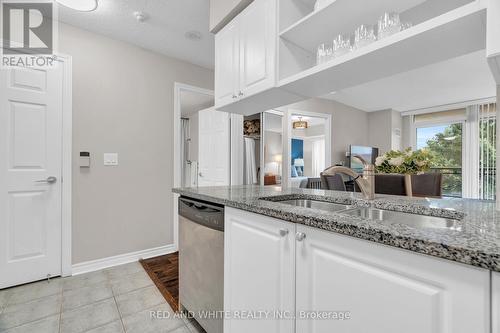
(382, 215)
(316, 204)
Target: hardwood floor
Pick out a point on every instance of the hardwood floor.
(164, 271)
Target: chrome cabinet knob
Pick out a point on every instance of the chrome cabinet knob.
(240, 93)
(49, 180)
(234, 96)
(283, 232)
(300, 236)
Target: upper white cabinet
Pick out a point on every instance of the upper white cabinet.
(257, 46)
(259, 261)
(245, 56)
(386, 290)
(246, 62)
(227, 64)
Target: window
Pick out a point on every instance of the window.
(463, 143)
(445, 143)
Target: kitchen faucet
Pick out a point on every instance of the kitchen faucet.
(366, 182)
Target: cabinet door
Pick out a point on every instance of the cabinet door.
(386, 290)
(257, 47)
(258, 272)
(226, 64)
(495, 307)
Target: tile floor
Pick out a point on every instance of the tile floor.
(121, 299)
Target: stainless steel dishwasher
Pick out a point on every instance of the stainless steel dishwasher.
(201, 261)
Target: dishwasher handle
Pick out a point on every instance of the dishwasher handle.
(203, 213)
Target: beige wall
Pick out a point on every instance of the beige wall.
(385, 130)
(349, 125)
(406, 129)
(123, 103)
(379, 130)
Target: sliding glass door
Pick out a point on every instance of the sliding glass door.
(445, 142)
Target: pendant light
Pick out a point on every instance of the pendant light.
(300, 124)
(79, 5)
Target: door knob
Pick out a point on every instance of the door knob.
(200, 174)
(49, 180)
(283, 232)
(300, 236)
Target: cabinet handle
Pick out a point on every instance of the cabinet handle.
(283, 232)
(234, 96)
(240, 93)
(300, 236)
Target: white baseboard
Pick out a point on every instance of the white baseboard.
(98, 264)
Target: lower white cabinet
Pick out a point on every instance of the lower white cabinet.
(259, 262)
(336, 283)
(495, 307)
(386, 290)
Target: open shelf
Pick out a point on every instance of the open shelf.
(340, 16)
(344, 16)
(455, 33)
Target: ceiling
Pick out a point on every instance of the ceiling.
(163, 31)
(192, 102)
(457, 80)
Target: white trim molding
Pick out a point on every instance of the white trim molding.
(98, 264)
(67, 154)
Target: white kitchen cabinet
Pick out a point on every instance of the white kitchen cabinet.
(227, 64)
(257, 47)
(495, 307)
(259, 261)
(386, 290)
(245, 56)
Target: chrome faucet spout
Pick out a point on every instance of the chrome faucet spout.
(366, 182)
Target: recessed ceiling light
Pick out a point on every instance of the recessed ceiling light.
(80, 5)
(193, 35)
(140, 16)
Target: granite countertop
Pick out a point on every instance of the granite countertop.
(475, 240)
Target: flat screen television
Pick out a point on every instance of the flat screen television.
(368, 153)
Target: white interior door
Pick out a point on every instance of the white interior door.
(30, 174)
(214, 148)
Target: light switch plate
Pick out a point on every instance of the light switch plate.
(110, 159)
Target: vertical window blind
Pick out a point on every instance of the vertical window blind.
(487, 151)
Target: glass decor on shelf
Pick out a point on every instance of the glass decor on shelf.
(388, 24)
(341, 45)
(324, 53)
(364, 35)
(406, 25)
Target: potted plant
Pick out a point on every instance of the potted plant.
(405, 162)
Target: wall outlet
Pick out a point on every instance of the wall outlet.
(110, 159)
